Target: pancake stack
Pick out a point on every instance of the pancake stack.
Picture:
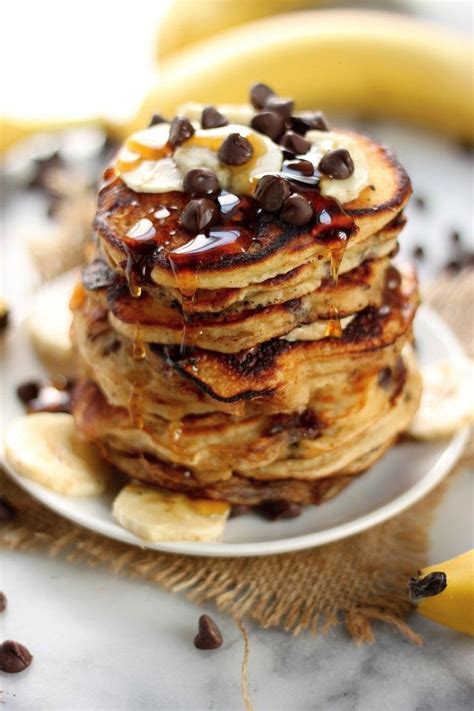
(242, 332)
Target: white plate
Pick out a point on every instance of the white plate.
(408, 472)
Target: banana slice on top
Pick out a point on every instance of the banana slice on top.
(447, 402)
(157, 515)
(46, 448)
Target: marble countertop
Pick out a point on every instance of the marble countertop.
(103, 643)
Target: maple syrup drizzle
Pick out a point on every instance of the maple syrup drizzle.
(139, 352)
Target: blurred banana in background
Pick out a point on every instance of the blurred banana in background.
(337, 60)
(179, 27)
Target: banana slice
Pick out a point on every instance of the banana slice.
(46, 448)
(157, 515)
(447, 402)
(48, 326)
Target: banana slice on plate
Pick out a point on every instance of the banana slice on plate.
(447, 403)
(157, 515)
(48, 325)
(46, 448)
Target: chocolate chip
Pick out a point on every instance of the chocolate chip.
(98, 275)
(269, 123)
(282, 106)
(308, 122)
(3, 602)
(212, 118)
(296, 210)
(180, 130)
(295, 143)
(14, 657)
(209, 635)
(337, 164)
(418, 252)
(28, 391)
(259, 95)
(272, 192)
(455, 237)
(419, 202)
(239, 510)
(156, 119)
(305, 167)
(7, 510)
(201, 182)
(275, 510)
(199, 214)
(235, 150)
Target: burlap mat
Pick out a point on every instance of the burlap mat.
(355, 581)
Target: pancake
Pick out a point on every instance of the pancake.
(293, 475)
(232, 330)
(266, 246)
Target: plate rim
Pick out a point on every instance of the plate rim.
(448, 458)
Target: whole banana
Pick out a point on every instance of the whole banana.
(444, 593)
(368, 62)
(179, 27)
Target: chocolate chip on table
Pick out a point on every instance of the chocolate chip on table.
(418, 252)
(212, 118)
(28, 391)
(235, 150)
(271, 192)
(275, 510)
(295, 143)
(14, 657)
(156, 119)
(296, 210)
(209, 635)
(269, 123)
(3, 602)
(199, 214)
(308, 122)
(181, 129)
(419, 202)
(201, 182)
(305, 167)
(282, 106)
(7, 510)
(259, 95)
(337, 164)
(455, 237)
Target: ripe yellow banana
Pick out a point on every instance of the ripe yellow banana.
(180, 27)
(375, 63)
(444, 593)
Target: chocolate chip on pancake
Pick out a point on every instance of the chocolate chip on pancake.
(269, 123)
(282, 106)
(259, 95)
(201, 182)
(181, 129)
(212, 118)
(295, 143)
(296, 210)
(305, 167)
(156, 119)
(199, 214)
(337, 164)
(235, 150)
(308, 122)
(272, 192)
(98, 275)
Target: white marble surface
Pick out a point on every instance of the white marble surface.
(103, 643)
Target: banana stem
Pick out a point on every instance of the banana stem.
(427, 586)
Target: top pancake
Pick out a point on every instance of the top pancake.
(266, 247)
